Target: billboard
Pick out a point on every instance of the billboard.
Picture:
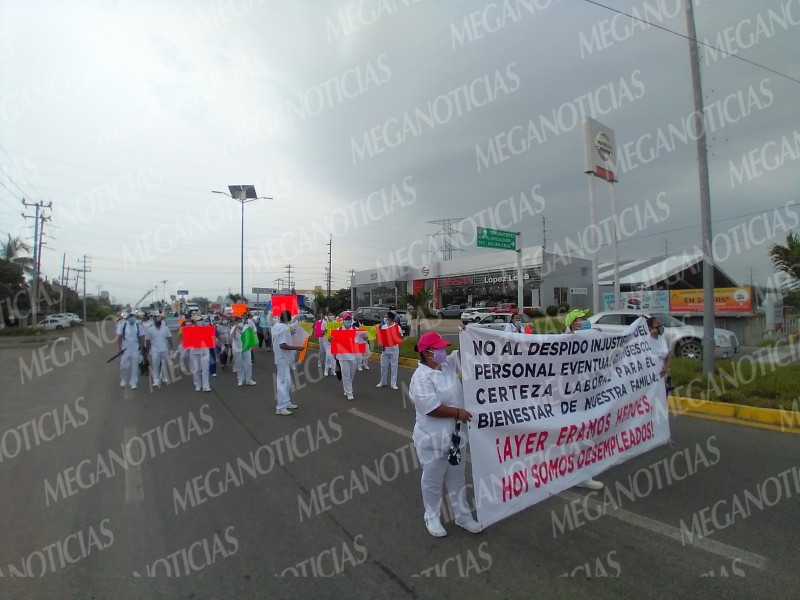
(646, 300)
(726, 300)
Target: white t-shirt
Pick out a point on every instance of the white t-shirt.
(509, 328)
(236, 338)
(130, 335)
(158, 337)
(282, 335)
(429, 389)
(659, 347)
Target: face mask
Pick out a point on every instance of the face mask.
(330, 317)
(586, 325)
(131, 320)
(385, 320)
(224, 322)
(348, 322)
(660, 330)
(517, 323)
(440, 355)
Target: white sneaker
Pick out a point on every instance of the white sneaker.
(472, 525)
(366, 367)
(197, 389)
(240, 384)
(350, 397)
(381, 385)
(591, 484)
(133, 386)
(213, 374)
(394, 387)
(360, 368)
(206, 389)
(293, 406)
(283, 412)
(251, 382)
(435, 528)
(122, 383)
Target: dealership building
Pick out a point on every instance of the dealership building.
(491, 276)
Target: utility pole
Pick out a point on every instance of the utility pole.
(289, 277)
(705, 195)
(37, 206)
(352, 289)
(330, 257)
(83, 271)
(279, 283)
(61, 307)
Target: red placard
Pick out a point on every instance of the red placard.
(281, 303)
(343, 341)
(237, 310)
(389, 337)
(198, 336)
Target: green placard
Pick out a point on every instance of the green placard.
(496, 238)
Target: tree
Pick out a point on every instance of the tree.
(201, 302)
(419, 302)
(14, 299)
(12, 250)
(237, 298)
(339, 300)
(322, 302)
(787, 258)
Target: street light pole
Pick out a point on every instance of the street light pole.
(242, 194)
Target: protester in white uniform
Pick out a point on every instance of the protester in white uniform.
(329, 366)
(285, 353)
(349, 361)
(390, 355)
(199, 364)
(130, 342)
(516, 324)
(159, 339)
(660, 348)
(439, 403)
(224, 341)
(576, 321)
(364, 362)
(319, 334)
(242, 361)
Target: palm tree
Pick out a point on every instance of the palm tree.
(419, 301)
(11, 251)
(322, 302)
(237, 298)
(787, 258)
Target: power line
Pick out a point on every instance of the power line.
(686, 37)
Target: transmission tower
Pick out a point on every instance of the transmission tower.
(447, 233)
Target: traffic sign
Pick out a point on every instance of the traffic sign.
(263, 290)
(183, 292)
(496, 238)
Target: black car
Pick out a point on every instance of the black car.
(373, 315)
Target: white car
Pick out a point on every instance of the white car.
(685, 341)
(52, 322)
(69, 317)
(497, 320)
(475, 315)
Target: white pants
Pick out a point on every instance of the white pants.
(129, 366)
(349, 368)
(437, 473)
(199, 361)
(322, 354)
(158, 365)
(243, 366)
(283, 385)
(329, 366)
(389, 358)
(365, 357)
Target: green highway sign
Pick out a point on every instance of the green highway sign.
(496, 238)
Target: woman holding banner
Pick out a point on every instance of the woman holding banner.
(389, 337)
(438, 398)
(660, 348)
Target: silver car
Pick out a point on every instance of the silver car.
(475, 315)
(497, 320)
(685, 341)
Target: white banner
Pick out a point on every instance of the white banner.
(550, 411)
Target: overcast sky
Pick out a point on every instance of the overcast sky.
(365, 120)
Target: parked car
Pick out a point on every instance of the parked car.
(51, 322)
(449, 311)
(685, 341)
(404, 320)
(305, 315)
(485, 304)
(373, 315)
(497, 320)
(504, 307)
(474, 315)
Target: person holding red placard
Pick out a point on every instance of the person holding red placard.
(284, 352)
(349, 361)
(389, 337)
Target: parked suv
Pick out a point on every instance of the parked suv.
(685, 341)
(449, 311)
(373, 315)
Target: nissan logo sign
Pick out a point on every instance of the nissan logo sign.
(603, 146)
(425, 271)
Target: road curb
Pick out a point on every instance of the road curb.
(771, 418)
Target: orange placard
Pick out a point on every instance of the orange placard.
(389, 337)
(726, 300)
(281, 303)
(237, 310)
(343, 341)
(198, 336)
(302, 353)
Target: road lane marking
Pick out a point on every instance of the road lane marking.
(669, 531)
(134, 489)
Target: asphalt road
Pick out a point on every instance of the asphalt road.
(221, 498)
